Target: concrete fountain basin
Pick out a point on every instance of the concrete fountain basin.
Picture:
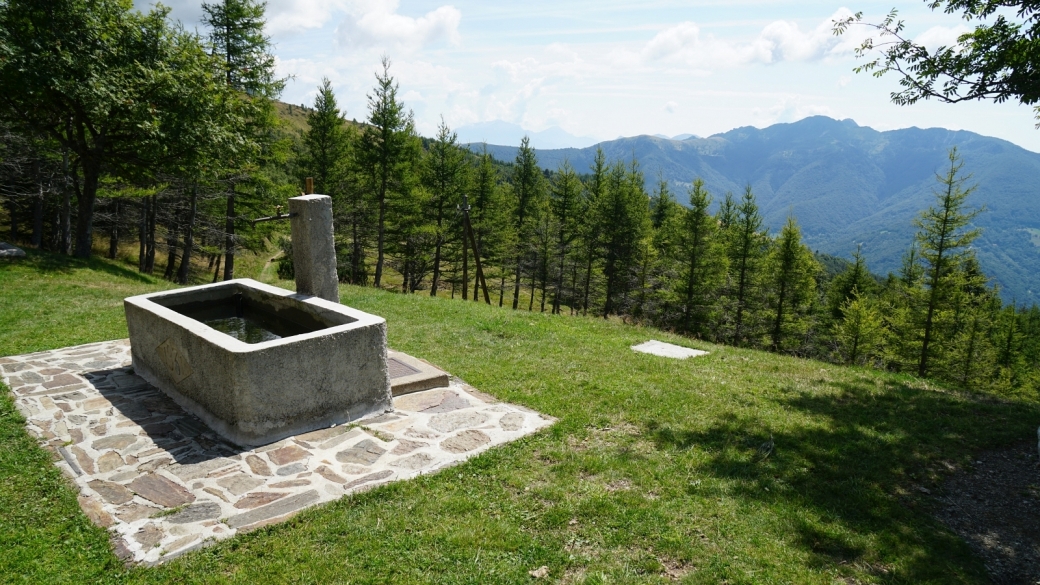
(258, 363)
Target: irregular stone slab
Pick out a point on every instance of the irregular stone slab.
(110, 461)
(364, 453)
(369, 478)
(330, 475)
(290, 484)
(240, 483)
(180, 543)
(149, 535)
(453, 421)
(404, 447)
(134, 512)
(196, 513)
(62, 380)
(287, 455)
(668, 350)
(451, 403)
(70, 459)
(420, 401)
(84, 460)
(323, 434)
(112, 493)
(339, 439)
(258, 499)
(196, 470)
(154, 464)
(114, 442)
(158, 489)
(465, 441)
(298, 467)
(280, 508)
(215, 492)
(95, 511)
(257, 465)
(512, 422)
(417, 461)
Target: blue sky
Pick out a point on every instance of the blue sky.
(606, 69)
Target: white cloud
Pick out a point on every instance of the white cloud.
(790, 108)
(778, 41)
(376, 24)
(941, 36)
(670, 107)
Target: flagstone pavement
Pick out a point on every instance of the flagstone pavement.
(163, 483)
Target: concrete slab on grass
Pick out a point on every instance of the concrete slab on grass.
(667, 350)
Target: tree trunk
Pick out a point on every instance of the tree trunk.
(113, 233)
(436, 265)
(189, 237)
(37, 210)
(516, 283)
(534, 273)
(142, 233)
(171, 256)
(216, 273)
(14, 219)
(65, 245)
(229, 239)
(381, 234)
(149, 241)
(85, 200)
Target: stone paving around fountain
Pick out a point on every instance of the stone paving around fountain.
(163, 483)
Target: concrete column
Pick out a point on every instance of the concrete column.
(314, 247)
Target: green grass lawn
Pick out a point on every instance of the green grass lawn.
(652, 474)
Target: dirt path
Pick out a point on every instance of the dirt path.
(995, 507)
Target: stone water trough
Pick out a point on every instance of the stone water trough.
(258, 363)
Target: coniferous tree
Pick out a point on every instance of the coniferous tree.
(446, 177)
(792, 270)
(237, 37)
(702, 260)
(594, 189)
(528, 191)
(325, 143)
(622, 219)
(746, 249)
(860, 331)
(944, 238)
(565, 203)
(388, 150)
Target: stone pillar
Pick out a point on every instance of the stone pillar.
(314, 246)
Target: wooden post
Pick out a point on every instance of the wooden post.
(308, 186)
(465, 268)
(476, 258)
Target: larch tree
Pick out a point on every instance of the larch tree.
(565, 203)
(791, 272)
(528, 191)
(236, 34)
(746, 249)
(446, 177)
(944, 237)
(326, 143)
(389, 150)
(702, 260)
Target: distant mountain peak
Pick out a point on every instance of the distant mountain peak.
(506, 133)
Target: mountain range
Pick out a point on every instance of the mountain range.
(849, 185)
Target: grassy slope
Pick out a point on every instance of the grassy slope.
(653, 467)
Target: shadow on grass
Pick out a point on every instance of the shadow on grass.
(854, 482)
(50, 262)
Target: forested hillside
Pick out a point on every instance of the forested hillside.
(711, 238)
(850, 185)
